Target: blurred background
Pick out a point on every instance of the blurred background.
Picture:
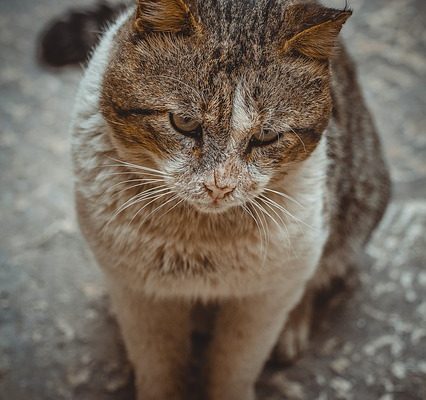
(57, 337)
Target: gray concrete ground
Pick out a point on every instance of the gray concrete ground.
(57, 338)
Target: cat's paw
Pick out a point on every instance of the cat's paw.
(294, 338)
(293, 341)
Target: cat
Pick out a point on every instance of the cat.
(223, 154)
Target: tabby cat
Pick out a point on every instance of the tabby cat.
(223, 155)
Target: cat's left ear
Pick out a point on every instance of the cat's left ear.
(172, 16)
(314, 30)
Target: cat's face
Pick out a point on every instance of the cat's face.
(220, 115)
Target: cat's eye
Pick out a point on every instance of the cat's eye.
(186, 126)
(264, 137)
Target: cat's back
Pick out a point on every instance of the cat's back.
(357, 177)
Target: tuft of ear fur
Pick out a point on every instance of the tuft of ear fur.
(164, 16)
(316, 30)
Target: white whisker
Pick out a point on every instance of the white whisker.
(141, 167)
(130, 169)
(115, 122)
(144, 181)
(262, 222)
(137, 185)
(146, 205)
(137, 199)
(134, 173)
(262, 244)
(303, 143)
(170, 209)
(286, 196)
(269, 215)
(285, 211)
(265, 200)
(156, 209)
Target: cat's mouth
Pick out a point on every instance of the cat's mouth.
(212, 207)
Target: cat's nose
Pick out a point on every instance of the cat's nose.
(218, 193)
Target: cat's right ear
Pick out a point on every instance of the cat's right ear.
(173, 16)
(313, 30)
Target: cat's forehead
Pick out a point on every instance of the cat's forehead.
(231, 71)
(232, 34)
(232, 109)
(241, 20)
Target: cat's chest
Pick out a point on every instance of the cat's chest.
(229, 262)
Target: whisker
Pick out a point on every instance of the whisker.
(138, 198)
(144, 181)
(286, 196)
(262, 221)
(155, 209)
(114, 122)
(170, 209)
(264, 224)
(138, 185)
(262, 245)
(130, 169)
(269, 215)
(247, 210)
(146, 205)
(298, 136)
(134, 173)
(285, 211)
(265, 199)
(137, 166)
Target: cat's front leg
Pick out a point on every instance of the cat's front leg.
(245, 333)
(157, 337)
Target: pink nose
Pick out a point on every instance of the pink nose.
(218, 193)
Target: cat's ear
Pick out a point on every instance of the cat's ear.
(314, 30)
(172, 16)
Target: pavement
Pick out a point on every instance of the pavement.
(58, 340)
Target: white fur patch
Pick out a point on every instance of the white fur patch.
(242, 116)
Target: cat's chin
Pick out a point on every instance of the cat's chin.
(211, 208)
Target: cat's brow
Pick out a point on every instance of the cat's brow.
(305, 130)
(127, 112)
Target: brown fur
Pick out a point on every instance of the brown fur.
(164, 16)
(318, 38)
(308, 94)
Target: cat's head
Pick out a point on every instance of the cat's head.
(222, 96)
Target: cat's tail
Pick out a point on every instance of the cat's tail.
(69, 38)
